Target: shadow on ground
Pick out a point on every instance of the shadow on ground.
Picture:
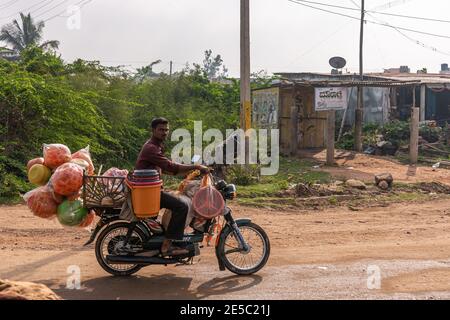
(167, 286)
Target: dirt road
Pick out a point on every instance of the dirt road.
(329, 254)
(353, 165)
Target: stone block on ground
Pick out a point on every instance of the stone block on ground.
(353, 183)
(18, 290)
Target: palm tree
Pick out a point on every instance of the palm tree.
(21, 35)
(147, 72)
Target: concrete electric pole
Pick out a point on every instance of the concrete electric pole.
(245, 110)
(360, 101)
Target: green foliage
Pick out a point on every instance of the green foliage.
(36, 60)
(243, 175)
(396, 132)
(12, 179)
(370, 131)
(20, 35)
(213, 67)
(430, 134)
(44, 100)
(291, 171)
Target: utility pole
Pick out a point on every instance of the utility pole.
(360, 103)
(245, 110)
(170, 73)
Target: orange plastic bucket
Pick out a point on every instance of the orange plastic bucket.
(146, 199)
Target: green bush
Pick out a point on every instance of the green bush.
(243, 175)
(13, 180)
(431, 134)
(397, 132)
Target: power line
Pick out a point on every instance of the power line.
(59, 4)
(391, 4)
(408, 37)
(369, 21)
(8, 4)
(318, 44)
(60, 13)
(26, 9)
(374, 12)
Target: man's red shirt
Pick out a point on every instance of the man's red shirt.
(152, 157)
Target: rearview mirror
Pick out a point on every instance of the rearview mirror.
(195, 158)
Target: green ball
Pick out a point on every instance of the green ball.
(71, 213)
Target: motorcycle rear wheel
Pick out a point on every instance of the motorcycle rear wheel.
(105, 245)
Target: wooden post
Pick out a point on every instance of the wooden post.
(331, 115)
(422, 102)
(294, 130)
(414, 133)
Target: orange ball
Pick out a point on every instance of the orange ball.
(67, 179)
(56, 155)
(41, 202)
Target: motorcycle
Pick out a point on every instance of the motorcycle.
(122, 247)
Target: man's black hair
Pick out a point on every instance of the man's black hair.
(157, 121)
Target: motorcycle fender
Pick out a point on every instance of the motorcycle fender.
(104, 223)
(239, 222)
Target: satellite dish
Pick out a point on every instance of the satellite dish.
(337, 62)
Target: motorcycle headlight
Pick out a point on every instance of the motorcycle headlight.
(220, 185)
(230, 191)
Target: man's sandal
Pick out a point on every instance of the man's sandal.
(174, 251)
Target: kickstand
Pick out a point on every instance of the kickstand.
(186, 262)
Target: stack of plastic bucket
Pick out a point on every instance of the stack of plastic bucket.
(145, 188)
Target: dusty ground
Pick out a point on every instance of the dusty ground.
(352, 165)
(323, 254)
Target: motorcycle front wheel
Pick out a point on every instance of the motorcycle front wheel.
(236, 259)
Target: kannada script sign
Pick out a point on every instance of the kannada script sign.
(330, 99)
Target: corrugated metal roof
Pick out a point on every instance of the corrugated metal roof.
(423, 78)
(426, 78)
(351, 83)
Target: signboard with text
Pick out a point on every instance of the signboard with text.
(265, 108)
(330, 99)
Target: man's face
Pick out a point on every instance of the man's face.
(161, 132)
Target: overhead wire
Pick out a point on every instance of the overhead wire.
(60, 13)
(28, 8)
(375, 12)
(8, 4)
(417, 42)
(299, 2)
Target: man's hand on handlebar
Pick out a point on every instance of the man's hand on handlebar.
(202, 169)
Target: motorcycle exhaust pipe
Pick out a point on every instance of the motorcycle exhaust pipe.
(139, 260)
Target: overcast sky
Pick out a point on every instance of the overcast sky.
(284, 36)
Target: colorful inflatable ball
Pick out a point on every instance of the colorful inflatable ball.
(40, 201)
(82, 163)
(34, 161)
(85, 155)
(39, 174)
(67, 179)
(56, 155)
(71, 213)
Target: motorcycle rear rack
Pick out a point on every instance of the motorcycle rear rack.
(103, 192)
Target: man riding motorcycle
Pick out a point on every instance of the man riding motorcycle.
(152, 157)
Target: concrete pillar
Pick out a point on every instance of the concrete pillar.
(331, 116)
